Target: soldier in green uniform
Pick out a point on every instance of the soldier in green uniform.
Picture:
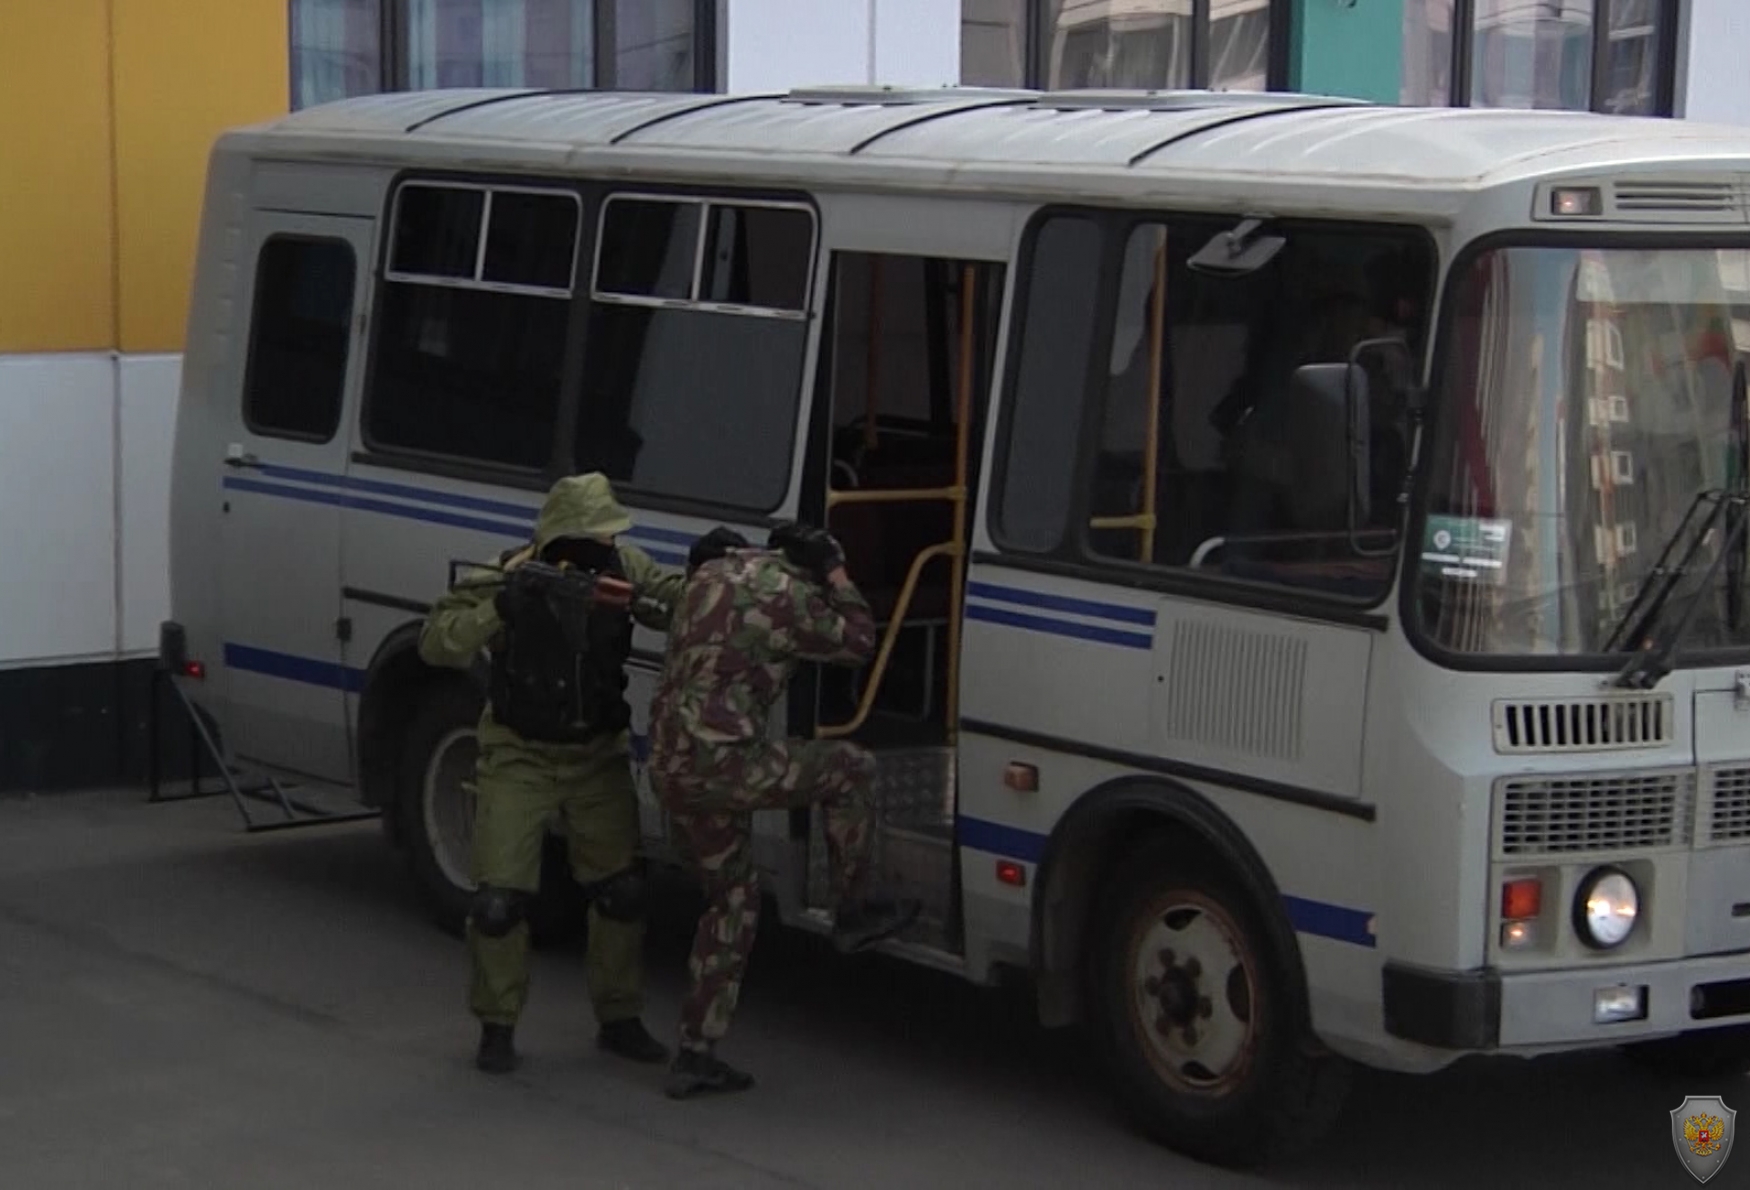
(747, 618)
(553, 738)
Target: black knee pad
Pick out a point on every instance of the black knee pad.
(497, 911)
(623, 897)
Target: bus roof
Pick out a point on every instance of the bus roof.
(1084, 143)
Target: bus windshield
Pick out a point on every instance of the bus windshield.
(1585, 401)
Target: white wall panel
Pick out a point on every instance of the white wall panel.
(147, 394)
(917, 42)
(57, 508)
(1713, 84)
(775, 45)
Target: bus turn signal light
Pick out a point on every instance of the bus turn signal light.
(1521, 900)
(1022, 778)
(1012, 873)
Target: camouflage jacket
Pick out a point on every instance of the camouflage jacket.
(744, 623)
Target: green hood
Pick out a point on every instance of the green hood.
(581, 506)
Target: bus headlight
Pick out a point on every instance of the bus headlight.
(1606, 909)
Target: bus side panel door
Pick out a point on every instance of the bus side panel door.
(285, 461)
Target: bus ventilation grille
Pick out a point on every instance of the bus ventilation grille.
(1700, 200)
(1728, 805)
(1583, 724)
(1579, 815)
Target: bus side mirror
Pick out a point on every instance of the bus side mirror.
(1330, 432)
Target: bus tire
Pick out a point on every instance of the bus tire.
(1701, 1053)
(1221, 1069)
(436, 820)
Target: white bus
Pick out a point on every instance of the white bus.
(1261, 496)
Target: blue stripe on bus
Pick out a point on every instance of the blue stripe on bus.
(292, 668)
(1069, 628)
(1118, 612)
(1318, 918)
(437, 516)
(1330, 921)
(1010, 842)
(404, 491)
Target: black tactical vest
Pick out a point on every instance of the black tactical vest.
(563, 684)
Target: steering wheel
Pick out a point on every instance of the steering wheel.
(844, 475)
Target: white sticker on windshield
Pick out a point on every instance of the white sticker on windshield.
(1472, 549)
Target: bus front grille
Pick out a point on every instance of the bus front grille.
(1570, 815)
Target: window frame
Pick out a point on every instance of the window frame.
(249, 358)
(704, 200)
(706, 195)
(1668, 16)
(1436, 410)
(370, 452)
(1072, 556)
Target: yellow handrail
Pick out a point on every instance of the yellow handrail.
(954, 547)
(892, 495)
(1145, 521)
(888, 638)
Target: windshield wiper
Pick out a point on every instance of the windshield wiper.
(1652, 659)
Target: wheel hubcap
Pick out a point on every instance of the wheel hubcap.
(1193, 1000)
(448, 804)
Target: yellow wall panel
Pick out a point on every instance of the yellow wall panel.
(185, 70)
(56, 245)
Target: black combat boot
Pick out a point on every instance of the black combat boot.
(497, 1054)
(630, 1039)
(862, 922)
(702, 1072)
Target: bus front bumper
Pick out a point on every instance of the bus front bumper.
(1486, 1010)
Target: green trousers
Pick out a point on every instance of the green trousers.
(518, 787)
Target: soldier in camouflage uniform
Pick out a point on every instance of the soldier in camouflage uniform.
(747, 618)
(571, 759)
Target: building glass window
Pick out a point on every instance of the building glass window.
(1616, 56)
(500, 43)
(1427, 61)
(343, 48)
(1123, 44)
(337, 50)
(1089, 43)
(993, 43)
(1638, 44)
(654, 46)
(1532, 56)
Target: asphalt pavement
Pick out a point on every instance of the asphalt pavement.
(182, 1005)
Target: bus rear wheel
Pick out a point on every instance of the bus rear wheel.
(1201, 1019)
(437, 821)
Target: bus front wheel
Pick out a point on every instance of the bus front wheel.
(1201, 1016)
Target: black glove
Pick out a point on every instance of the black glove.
(714, 545)
(814, 550)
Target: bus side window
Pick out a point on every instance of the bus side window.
(692, 371)
(300, 335)
(1194, 466)
(471, 338)
(1035, 472)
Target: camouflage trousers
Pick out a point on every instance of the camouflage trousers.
(712, 813)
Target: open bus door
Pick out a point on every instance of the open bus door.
(906, 362)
